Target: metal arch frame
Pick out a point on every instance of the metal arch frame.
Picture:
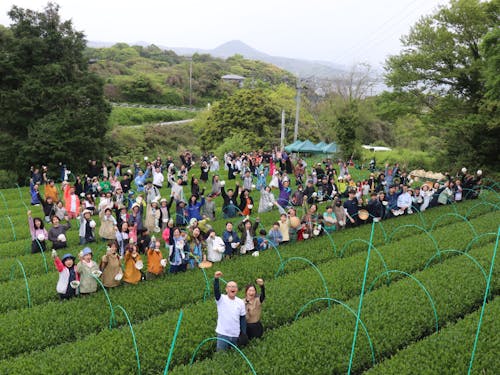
(227, 342)
(301, 310)
(419, 283)
(282, 265)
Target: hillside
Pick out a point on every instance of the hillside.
(304, 68)
(152, 75)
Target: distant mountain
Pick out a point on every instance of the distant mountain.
(304, 68)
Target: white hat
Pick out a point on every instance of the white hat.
(118, 276)
(40, 237)
(61, 237)
(92, 223)
(139, 265)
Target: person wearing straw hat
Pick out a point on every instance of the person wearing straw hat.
(87, 269)
(231, 314)
(87, 227)
(69, 279)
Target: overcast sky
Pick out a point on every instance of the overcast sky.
(340, 31)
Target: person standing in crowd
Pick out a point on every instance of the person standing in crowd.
(57, 234)
(110, 266)
(38, 234)
(253, 308)
(69, 280)
(231, 314)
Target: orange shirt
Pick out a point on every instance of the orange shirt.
(131, 275)
(154, 265)
(51, 191)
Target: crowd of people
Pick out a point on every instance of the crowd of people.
(142, 208)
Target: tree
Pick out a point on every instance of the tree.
(252, 114)
(53, 109)
(443, 65)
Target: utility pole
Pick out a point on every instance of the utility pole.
(297, 111)
(282, 143)
(191, 81)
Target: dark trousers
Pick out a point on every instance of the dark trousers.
(255, 330)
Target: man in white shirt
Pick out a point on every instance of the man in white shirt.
(404, 201)
(158, 178)
(231, 321)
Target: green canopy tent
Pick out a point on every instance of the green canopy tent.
(309, 147)
(330, 148)
(293, 147)
(321, 145)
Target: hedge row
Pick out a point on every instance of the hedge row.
(343, 279)
(12, 294)
(33, 263)
(395, 316)
(450, 351)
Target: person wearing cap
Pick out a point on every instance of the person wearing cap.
(110, 266)
(88, 269)
(87, 227)
(231, 314)
(68, 277)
